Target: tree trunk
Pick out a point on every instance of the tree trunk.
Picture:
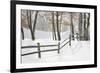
(88, 23)
(53, 27)
(80, 26)
(34, 24)
(87, 18)
(32, 30)
(72, 27)
(22, 33)
(29, 22)
(60, 21)
(85, 30)
(22, 28)
(57, 22)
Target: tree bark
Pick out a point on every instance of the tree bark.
(29, 22)
(88, 23)
(32, 30)
(80, 26)
(22, 28)
(22, 33)
(72, 27)
(57, 22)
(53, 27)
(60, 20)
(85, 30)
(87, 18)
(34, 25)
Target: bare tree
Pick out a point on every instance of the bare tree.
(22, 27)
(85, 31)
(57, 22)
(29, 19)
(60, 21)
(22, 33)
(72, 27)
(80, 26)
(29, 22)
(86, 26)
(34, 25)
(88, 23)
(53, 27)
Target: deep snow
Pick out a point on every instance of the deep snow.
(78, 51)
(43, 34)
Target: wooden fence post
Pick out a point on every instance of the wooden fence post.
(39, 53)
(70, 40)
(58, 47)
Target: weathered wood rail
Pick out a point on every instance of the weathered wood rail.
(38, 46)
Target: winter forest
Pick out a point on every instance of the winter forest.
(67, 32)
(55, 25)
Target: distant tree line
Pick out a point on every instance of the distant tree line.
(29, 21)
(31, 25)
(84, 22)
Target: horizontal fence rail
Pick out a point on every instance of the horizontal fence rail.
(40, 51)
(38, 46)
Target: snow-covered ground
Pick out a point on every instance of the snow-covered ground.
(78, 51)
(43, 34)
